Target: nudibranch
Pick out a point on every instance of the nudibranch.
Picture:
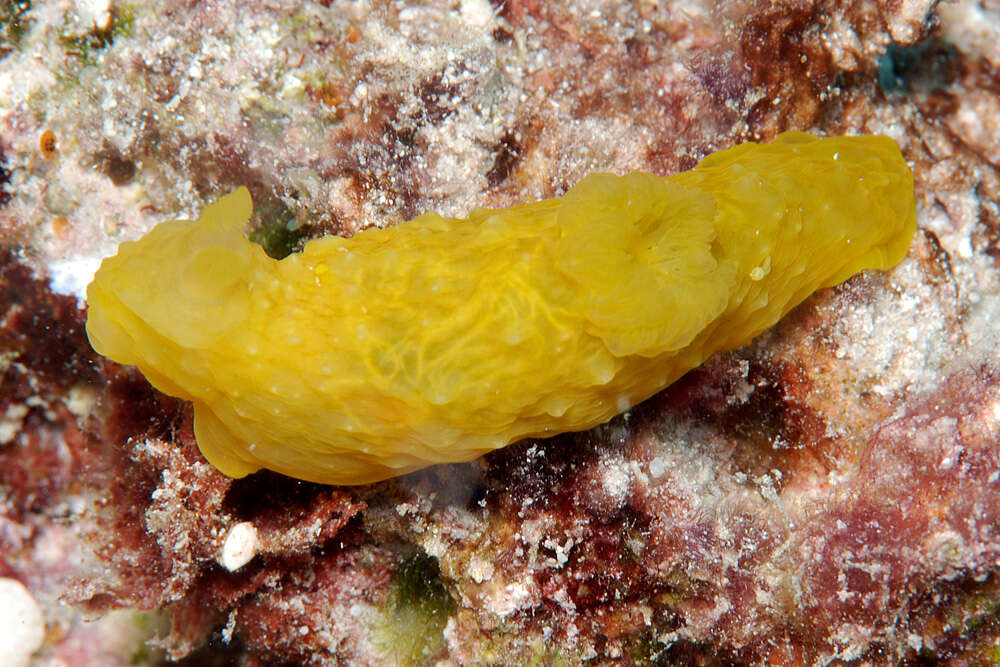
(441, 339)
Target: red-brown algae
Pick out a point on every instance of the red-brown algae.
(740, 556)
(48, 391)
(155, 517)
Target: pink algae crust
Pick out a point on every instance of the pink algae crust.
(611, 544)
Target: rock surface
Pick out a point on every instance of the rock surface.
(825, 495)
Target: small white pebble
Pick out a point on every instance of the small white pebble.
(239, 547)
(480, 570)
(477, 13)
(94, 14)
(22, 623)
(81, 400)
(12, 421)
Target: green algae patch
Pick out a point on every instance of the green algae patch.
(410, 629)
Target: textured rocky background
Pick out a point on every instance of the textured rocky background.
(829, 494)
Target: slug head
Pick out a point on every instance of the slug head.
(178, 289)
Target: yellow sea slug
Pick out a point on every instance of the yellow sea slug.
(441, 339)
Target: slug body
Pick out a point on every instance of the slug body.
(439, 340)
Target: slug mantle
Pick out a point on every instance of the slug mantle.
(441, 339)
